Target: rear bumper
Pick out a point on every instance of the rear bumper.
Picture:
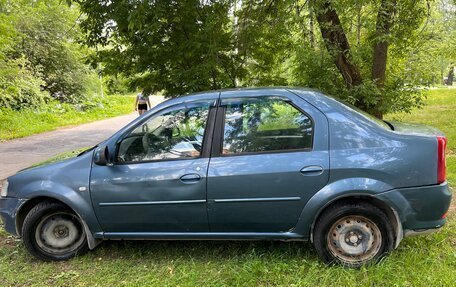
(9, 207)
(420, 209)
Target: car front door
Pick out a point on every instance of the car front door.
(158, 180)
(269, 156)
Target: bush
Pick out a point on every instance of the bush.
(19, 87)
(117, 85)
(40, 57)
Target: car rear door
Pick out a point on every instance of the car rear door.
(269, 156)
(158, 180)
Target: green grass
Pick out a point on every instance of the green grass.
(428, 260)
(16, 124)
(440, 112)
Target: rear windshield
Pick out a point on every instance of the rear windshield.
(369, 117)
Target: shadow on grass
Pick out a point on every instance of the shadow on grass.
(203, 250)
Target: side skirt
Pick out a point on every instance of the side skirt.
(284, 236)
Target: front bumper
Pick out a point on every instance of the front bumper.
(9, 206)
(420, 209)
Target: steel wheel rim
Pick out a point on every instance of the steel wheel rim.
(354, 239)
(59, 233)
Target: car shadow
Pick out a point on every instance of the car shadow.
(203, 250)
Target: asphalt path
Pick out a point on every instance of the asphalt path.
(21, 153)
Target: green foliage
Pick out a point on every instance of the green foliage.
(264, 42)
(312, 68)
(179, 46)
(117, 84)
(19, 87)
(191, 45)
(40, 56)
(49, 44)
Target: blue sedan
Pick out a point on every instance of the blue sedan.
(256, 164)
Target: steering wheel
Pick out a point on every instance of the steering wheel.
(149, 140)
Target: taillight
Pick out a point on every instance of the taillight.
(441, 162)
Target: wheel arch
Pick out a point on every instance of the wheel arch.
(355, 188)
(390, 212)
(32, 202)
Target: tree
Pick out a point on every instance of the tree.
(336, 42)
(450, 77)
(50, 44)
(40, 56)
(381, 43)
(380, 54)
(337, 45)
(370, 60)
(19, 87)
(177, 46)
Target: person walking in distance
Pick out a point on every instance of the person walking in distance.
(142, 103)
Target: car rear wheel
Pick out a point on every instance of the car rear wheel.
(51, 231)
(353, 234)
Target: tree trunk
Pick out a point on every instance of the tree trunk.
(358, 24)
(380, 49)
(450, 76)
(311, 26)
(380, 57)
(336, 42)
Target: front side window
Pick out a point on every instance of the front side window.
(264, 124)
(170, 135)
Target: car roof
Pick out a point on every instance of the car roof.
(252, 89)
(255, 91)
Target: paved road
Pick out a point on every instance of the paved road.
(21, 153)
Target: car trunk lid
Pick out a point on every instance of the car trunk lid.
(423, 130)
(415, 129)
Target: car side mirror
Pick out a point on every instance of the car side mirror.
(101, 156)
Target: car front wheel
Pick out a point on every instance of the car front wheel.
(353, 234)
(51, 231)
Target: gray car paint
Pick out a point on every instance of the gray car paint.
(358, 157)
(266, 192)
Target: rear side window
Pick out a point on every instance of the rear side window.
(264, 124)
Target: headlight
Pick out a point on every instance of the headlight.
(4, 189)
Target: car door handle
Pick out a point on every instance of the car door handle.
(312, 170)
(190, 178)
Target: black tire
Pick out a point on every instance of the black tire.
(53, 232)
(353, 234)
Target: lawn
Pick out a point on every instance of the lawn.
(16, 124)
(428, 260)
